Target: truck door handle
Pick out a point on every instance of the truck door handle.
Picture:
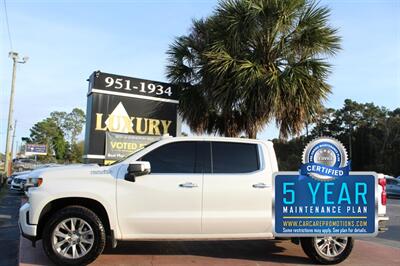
(260, 185)
(188, 185)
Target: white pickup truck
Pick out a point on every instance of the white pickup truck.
(180, 188)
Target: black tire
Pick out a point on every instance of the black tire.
(309, 247)
(99, 235)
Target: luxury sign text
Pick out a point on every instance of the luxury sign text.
(132, 125)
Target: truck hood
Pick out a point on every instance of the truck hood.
(84, 170)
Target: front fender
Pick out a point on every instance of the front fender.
(102, 193)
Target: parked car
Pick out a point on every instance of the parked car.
(27, 184)
(174, 189)
(393, 187)
(15, 174)
(24, 164)
(19, 181)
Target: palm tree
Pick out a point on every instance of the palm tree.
(252, 62)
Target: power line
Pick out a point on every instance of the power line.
(8, 26)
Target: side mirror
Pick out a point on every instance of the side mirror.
(137, 169)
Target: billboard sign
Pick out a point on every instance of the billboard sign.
(35, 149)
(128, 106)
(120, 145)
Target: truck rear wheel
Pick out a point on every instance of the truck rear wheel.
(74, 236)
(327, 250)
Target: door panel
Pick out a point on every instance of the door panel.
(237, 203)
(231, 205)
(169, 199)
(157, 204)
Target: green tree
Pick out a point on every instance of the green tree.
(71, 123)
(48, 132)
(253, 61)
(370, 133)
(54, 130)
(59, 118)
(76, 152)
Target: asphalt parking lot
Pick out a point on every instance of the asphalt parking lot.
(260, 252)
(392, 236)
(382, 250)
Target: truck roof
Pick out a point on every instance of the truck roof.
(217, 138)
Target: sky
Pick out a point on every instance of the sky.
(67, 40)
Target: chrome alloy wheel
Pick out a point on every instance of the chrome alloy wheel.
(72, 238)
(330, 246)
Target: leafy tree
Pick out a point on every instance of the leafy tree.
(71, 123)
(54, 131)
(76, 152)
(370, 133)
(59, 118)
(253, 61)
(74, 123)
(48, 132)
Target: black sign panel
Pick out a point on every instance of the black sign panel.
(128, 112)
(134, 86)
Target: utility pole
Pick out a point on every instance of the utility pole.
(17, 148)
(13, 139)
(14, 56)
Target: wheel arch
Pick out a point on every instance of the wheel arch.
(57, 204)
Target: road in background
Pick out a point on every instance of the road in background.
(9, 231)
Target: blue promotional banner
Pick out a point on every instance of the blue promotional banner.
(306, 206)
(35, 149)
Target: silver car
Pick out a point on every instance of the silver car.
(392, 187)
(14, 175)
(18, 183)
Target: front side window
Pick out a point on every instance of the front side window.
(230, 157)
(179, 157)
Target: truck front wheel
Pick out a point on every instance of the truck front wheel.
(327, 250)
(74, 236)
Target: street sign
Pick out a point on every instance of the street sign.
(35, 149)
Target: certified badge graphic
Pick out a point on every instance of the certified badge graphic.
(325, 159)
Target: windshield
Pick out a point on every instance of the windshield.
(126, 157)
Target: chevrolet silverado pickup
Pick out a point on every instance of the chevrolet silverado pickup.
(184, 188)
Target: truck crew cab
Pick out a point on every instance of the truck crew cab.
(177, 188)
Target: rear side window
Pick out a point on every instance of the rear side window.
(229, 157)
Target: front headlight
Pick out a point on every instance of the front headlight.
(34, 182)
